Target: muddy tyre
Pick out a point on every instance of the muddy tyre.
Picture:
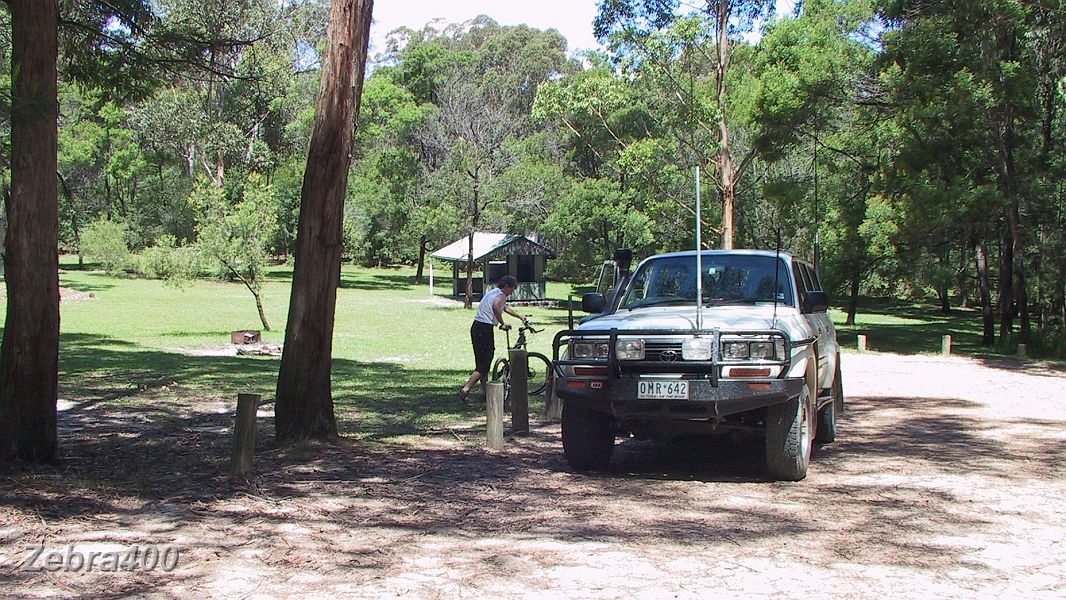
(789, 438)
(588, 438)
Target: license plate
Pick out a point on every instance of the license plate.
(662, 390)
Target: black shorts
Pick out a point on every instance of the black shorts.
(482, 337)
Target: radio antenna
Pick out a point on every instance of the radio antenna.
(699, 261)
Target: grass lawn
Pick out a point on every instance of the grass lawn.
(913, 328)
(399, 353)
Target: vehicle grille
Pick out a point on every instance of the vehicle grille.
(654, 351)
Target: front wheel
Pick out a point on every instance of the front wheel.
(588, 437)
(788, 437)
(540, 373)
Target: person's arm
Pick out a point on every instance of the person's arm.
(499, 306)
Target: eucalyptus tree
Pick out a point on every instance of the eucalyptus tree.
(649, 30)
(235, 234)
(29, 358)
(822, 137)
(945, 62)
(118, 46)
(467, 135)
(479, 80)
(304, 390)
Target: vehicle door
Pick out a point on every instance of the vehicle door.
(820, 324)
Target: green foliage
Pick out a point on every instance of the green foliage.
(168, 261)
(235, 235)
(900, 135)
(104, 241)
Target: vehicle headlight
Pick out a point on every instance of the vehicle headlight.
(761, 350)
(697, 349)
(588, 350)
(629, 349)
(735, 350)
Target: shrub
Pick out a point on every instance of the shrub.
(167, 260)
(104, 241)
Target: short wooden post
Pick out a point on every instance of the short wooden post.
(244, 434)
(1022, 350)
(861, 342)
(945, 345)
(519, 359)
(494, 415)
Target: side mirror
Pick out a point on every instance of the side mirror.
(593, 302)
(815, 302)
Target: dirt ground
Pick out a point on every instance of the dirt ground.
(947, 481)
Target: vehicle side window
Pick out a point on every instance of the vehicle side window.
(805, 274)
(801, 288)
(810, 278)
(816, 279)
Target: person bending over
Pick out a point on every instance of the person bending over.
(489, 314)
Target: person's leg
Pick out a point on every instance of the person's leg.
(482, 339)
(464, 392)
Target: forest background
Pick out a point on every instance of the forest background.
(915, 147)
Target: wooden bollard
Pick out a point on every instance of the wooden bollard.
(519, 360)
(945, 345)
(1022, 350)
(494, 415)
(860, 341)
(244, 434)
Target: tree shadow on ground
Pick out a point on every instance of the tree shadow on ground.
(161, 453)
(1027, 367)
(97, 282)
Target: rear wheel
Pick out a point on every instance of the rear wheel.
(827, 417)
(501, 369)
(789, 437)
(588, 437)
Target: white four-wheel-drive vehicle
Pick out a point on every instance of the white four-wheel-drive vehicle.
(757, 354)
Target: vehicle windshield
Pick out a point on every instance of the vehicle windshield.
(727, 279)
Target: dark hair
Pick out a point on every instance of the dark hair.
(507, 281)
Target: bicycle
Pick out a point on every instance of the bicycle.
(539, 367)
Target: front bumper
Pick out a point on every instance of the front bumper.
(707, 400)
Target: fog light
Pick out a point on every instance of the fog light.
(697, 349)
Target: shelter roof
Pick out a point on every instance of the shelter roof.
(488, 246)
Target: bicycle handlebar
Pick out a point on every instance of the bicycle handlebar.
(524, 327)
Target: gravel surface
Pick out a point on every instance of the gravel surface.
(947, 481)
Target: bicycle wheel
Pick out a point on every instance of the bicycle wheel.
(540, 373)
(501, 370)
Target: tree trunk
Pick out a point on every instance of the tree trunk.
(988, 336)
(726, 174)
(304, 395)
(853, 299)
(962, 278)
(421, 259)
(1005, 291)
(259, 306)
(29, 358)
